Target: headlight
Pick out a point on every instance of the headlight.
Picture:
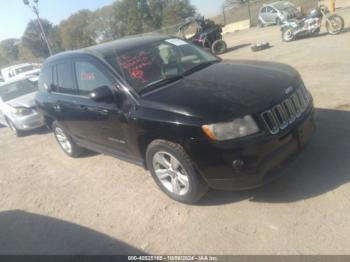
(22, 111)
(226, 131)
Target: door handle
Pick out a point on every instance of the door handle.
(57, 107)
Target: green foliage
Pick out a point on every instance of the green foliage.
(9, 49)
(34, 40)
(176, 11)
(77, 31)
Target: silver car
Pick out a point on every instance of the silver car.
(277, 13)
(17, 105)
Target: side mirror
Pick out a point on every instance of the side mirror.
(101, 94)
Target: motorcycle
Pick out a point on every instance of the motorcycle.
(311, 24)
(207, 35)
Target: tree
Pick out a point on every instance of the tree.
(177, 11)
(55, 40)
(78, 30)
(235, 3)
(9, 49)
(33, 40)
(107, 24)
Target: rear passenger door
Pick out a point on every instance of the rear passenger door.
(63, 93)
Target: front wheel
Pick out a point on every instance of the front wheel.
(287, 35)
(14, 129)
(219, 47)
(174, 173)
(335, 24)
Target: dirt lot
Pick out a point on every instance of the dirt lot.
(50, 203)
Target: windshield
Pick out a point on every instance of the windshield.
(24, 69)
(147, 66)
(18, 89)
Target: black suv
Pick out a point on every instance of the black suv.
(193, 120)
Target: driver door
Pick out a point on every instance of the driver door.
(100, 123)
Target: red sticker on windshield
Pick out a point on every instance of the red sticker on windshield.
(135, 65)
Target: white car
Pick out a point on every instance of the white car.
(17, 105)
(277, 13)
(20, 71)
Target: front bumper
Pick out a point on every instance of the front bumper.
(27, 123)
(261, 159)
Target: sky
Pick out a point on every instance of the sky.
(14, 15)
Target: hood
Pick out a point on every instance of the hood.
(226, 90)
(27, 101)
(32, 72)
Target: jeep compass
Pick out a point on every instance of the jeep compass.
(193, 120)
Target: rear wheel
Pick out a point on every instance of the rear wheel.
(66, 142)
(260, 24)
(219, 47)
(287, 35)
(174, 173)
(335, 24)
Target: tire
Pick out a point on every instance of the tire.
(260, 24)
(14, 129)
(65, 142)
(169, 164)
(206, 43)
(337, 21)
(219, 47)
(287, 35)
(260, 47)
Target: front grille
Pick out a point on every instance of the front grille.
(286, 113)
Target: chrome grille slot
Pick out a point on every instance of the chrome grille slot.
(282, 115)
(271, 122)
(288, 105)
(297, 106)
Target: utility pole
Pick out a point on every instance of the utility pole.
(249, 13)
(34, 7)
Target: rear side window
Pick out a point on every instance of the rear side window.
(45, 80)
(65, 80)
(89, 77)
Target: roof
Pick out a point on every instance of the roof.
(110, 48)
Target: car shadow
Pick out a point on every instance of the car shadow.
(23, 233)
(237, 47)
(320, 168)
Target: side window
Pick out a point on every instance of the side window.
(45, 80)
(270, 10)
(263, 10)
(89, 77)
(65, 80)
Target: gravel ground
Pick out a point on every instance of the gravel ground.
(51, 204)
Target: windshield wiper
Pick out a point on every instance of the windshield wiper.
(161, 83)
(199, 67)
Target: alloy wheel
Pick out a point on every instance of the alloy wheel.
(171, 173)
(63, 140)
